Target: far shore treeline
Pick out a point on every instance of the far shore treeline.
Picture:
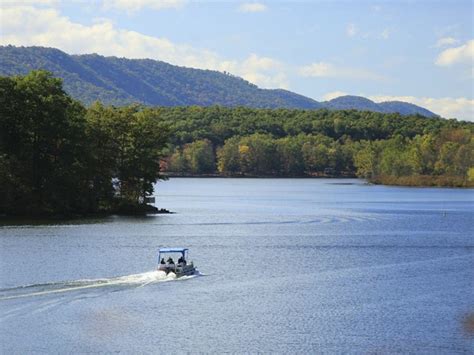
(384, 148)
(59, 158)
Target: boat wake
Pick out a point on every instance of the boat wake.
(112, 284)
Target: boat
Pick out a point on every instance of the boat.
(180, 268)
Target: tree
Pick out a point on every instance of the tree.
(259, 155)
(128, 145)
(446, 158)
(470, 175)
(291, 156)
(395, 157)
(199, 156)
(316, 153)
(149, 136)
(366, 160)
(41, 144)
(103, 155)
(229, 156)
(464, 159)
(177, 162)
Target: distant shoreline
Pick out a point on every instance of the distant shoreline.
(411, 181)
(250, 176)
(423, 181)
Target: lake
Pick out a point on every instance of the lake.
(286, 266)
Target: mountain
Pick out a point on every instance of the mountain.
(121, 81)
(363, 104)
(404, 108)
(349, 102)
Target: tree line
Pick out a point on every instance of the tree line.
(385, 148)
(442, 159)
(59, 158)
(217, 124)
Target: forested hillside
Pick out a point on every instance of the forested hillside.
(122, 81)
(387, 148)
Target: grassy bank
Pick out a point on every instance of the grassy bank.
(423, 181)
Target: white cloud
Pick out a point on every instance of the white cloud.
(252, 7)
(136, 5)
(448, 107)
(266, 71)
(446, 41)
(351, 30)
(326, 69)
(333, 95)
(454, 55)
(28, 26)
(15, 3)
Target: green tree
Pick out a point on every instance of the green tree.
(366, 160)
(316, 153)
(446, 158)
(103, 155)
(41, 144)
(229, 156)
(259, 155)
(128, 146)
(395, 158)
(177, 162)
(464, 159)
(199, 156)
(291, 156)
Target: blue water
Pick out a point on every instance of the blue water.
(287, 266)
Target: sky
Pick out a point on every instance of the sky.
(415, 51)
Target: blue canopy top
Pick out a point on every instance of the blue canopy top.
(173, 250)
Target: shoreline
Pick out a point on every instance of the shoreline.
(239, 176)
(149, 211)
(403, 181)
(424, 181)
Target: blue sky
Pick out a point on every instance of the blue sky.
(415, 51)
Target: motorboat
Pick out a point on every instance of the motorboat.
(181, 267)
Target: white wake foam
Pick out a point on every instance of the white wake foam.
(134, 280)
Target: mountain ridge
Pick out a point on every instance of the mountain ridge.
(120, 81)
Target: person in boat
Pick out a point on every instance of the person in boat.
(181, 261)
(170, 266)
(162, 264)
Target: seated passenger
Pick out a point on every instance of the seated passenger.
(181, 261)
(162, 264)
(170, 261)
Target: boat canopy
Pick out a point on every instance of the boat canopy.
(173, 250)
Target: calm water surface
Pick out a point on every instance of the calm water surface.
(287, 265)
